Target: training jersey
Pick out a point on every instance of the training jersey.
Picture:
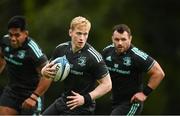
(21, 64)
(126, 71)
(87, 66)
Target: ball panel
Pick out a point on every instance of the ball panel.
(66, 72)
(59, 71)
(62, 67)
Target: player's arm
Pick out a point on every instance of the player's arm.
(2, 62)
(77, 100)
(104, 86)
(46, 79)
(47, 75)
(42, 87)
(156, 75)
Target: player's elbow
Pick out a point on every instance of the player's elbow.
(109, 85)
(161, 74)
(157, 71)
(106, 83)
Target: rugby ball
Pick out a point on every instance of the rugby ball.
(62, 68)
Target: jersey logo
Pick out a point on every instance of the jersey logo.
(7, 49)
(127, 61)
(11, 56)
(116, 65)
(21, 54)
(108, 58)
(82, 61)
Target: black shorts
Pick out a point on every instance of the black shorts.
(10, 99)
(127, 108)
(59, 107)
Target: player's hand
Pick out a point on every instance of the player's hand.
(75, 101)
(138, 97)
(47, 71)
(28, 103)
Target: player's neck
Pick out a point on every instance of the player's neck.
(75, 49)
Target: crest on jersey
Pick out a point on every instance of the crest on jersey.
(116, 65)
(21, 54)
(109, 58)
(11, 56)
(82, 61)
(127, 61)
(7, 49)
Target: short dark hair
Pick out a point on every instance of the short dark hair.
(17, 22)
(121, 28)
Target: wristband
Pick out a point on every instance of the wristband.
(147, 90)
(87, 99)
(33, 99)
(36, 94)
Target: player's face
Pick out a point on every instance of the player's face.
(122, 41)
(17, 37)
(79, 37)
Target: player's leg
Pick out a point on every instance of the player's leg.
(135, 108)
(119, 109)
(51, 110)
(58, 107)
(84, 110)
(7, 111)
(8, 103)
(127, 108)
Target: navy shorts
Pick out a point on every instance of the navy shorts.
(127, 108)
(59, 107)
(10, 99)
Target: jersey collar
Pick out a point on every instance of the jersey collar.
(79, 51)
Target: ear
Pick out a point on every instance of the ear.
(70, 31)
(112, 38)
(130, 37)
(27, 33)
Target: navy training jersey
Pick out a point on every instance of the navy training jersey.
(126, 71)
(87, 66)
(22, 63)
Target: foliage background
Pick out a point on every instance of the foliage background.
(154, 24)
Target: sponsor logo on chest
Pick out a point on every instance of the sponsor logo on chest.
(15, 58)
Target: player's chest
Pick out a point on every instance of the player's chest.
(120, 65)
(16, 57)
(79, 63)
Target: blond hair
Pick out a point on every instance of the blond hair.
(80, 21)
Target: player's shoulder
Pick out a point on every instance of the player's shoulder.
(6, 36)
(138, 52)
(62, 45)
(108, 47)
(33, 48)
(4, 39)
(31, 43)
(93, 53)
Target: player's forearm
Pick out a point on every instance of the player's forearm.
(104, 87)
(43, 86)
